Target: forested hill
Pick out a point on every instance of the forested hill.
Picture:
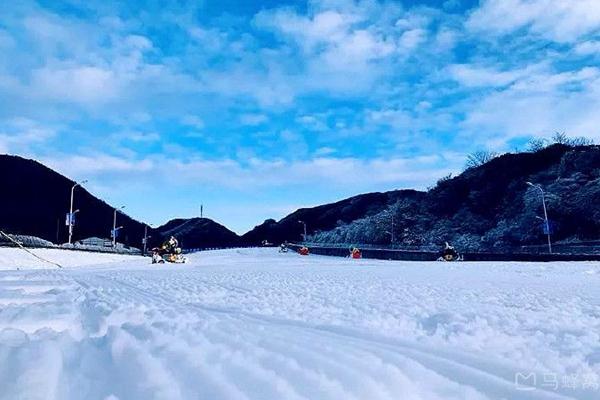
(35, 201)
(197, 233)
(486, 207)
(326, 217)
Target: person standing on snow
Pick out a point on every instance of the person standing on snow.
(170, 245)
(449, 253)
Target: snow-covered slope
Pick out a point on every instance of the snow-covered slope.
(12, 258)
(255, 324)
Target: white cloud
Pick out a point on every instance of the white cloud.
(386, 64)
(539, 105)
(336, 45)
(93, 165)
(558, 20)
(313, 122)
(19, 135)
(138, 136)
(325, 151)
(591, 47)
(481, 76)
(138, 42)
(446, 39)
(324, 27)
(411, 21)
(324, 171)
(193, 121)
(253, 119)
(393, 117)
(81, 84)
(412, 39)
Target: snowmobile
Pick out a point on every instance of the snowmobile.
(450, 254)
(160, 256)
(303, 251)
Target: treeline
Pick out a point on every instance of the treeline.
(489, 206)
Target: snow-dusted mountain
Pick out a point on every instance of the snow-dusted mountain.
(488, 206)
(35, 200)
(198, 233)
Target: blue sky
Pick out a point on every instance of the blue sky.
(257, 108)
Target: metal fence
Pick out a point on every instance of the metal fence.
(36, 242)
(583, 247)
(427, 255)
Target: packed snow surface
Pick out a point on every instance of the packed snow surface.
(256, 324)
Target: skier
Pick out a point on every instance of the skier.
(169, 251)
(355, 253)
(283, 247)
(449, 253)
(303, 251)
(170, 245)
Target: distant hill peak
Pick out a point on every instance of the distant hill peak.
(198, 232)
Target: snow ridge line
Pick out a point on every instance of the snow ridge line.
(29, 251)
(455, 369)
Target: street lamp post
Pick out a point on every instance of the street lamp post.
(114, 231)
(546, 223)
(70, 220)
(392, 231)
(146, 237)
(303, 223)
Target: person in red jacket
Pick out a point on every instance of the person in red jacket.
(355, 253)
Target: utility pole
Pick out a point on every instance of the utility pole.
(546, 222)
(304, 223)
(70, 220)
(114, 231)
(145, 241)
(392, 229)
(201, 210)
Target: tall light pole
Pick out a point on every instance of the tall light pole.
(146, 237)
(392, 232)
(70, 218)
(303, 223)
(546, 223)
(114, 231)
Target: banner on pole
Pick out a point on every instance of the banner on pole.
(114, 233)
(70, 219)
(548, 227)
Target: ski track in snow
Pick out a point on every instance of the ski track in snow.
(255, 324)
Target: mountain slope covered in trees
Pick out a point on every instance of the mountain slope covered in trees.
(197, 233)
(36, 199)
(491, 207)
(487, 207)
(325, 217)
